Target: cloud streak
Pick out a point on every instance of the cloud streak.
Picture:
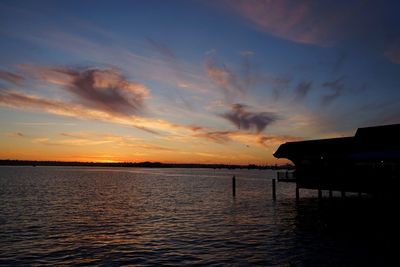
(233, 83)
(161, 48)
(247, 120)
(310, 21)
(22, 101)
(268, 141)
(220, 137)
(11, 77)
(336, 87)
(224, 78)
(302, 90)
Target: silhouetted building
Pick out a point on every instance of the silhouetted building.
(368, 162)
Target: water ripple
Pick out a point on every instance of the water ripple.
(112, 217)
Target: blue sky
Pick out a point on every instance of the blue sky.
(192, 81)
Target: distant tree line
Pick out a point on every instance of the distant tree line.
(145, 164)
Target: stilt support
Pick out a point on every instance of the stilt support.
(273, 189)
(234, 186)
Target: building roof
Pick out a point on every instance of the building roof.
(367, 141)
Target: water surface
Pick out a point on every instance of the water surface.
(117, 216)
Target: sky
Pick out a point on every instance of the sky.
(192, 81)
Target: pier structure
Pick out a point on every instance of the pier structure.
(368, 162)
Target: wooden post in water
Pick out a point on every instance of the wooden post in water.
(234, 185)
(297, 193)
(319, 194)
(273, 189)
(343, 194)
(330, 193)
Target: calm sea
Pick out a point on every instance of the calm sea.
(131, 216)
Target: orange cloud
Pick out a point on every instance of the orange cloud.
(22, 101)
(268, 141)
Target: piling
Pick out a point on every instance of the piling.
(343, 194)
(234, 185)
(319, 194)
(297, 193)
(330, 194)
(273, 189)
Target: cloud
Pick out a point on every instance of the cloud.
(247, 120)
(93, 139)
(104, 90)
(223, 77)
(18, 100)
(215, 136)
(69, 142)
(339, 62)
(279, 85)
(392, 52)
(11, 77)
(302, 89)
(336, 87)
(41, 124)
(15, 134)
(234, 84)
(21, 101)
(161, 48)
(315, 22)
(268, 141)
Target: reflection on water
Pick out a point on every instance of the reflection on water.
(111, 216)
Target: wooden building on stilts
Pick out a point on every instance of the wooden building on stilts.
(368, 162)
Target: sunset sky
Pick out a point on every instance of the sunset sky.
(192, 81)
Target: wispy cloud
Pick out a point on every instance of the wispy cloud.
(302, 89)
(11, 77)
(22, 101)
(69, 142)
(15, 134)
(40, 124)
(95, 139)
(279, 85)
(233, 83)
(242, 118)
(392, 52)
(161, 48)
(309, 21)
(215, 136)
(224, 78)
(336, 87)
(268, 141)
(18, 100)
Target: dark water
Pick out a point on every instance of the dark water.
(111, 217)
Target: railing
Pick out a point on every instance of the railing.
(286, 176)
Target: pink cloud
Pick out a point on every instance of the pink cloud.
(308, 21)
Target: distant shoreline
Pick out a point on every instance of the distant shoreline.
(146, 164)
